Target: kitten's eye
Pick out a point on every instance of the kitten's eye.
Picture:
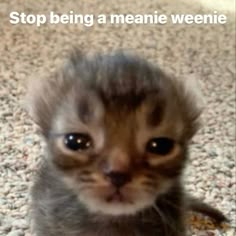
(161, 146)
(77, 141)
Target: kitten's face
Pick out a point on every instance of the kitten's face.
(118, 160)
(118, 152)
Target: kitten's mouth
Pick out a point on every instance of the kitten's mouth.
(113, 201)
(117, 196)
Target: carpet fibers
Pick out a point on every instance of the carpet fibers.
(206, 51)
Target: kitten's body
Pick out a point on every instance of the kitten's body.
(122, 176)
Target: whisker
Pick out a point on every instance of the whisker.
(86, 187)
(162, 216)
(86, 179)
(149, 183)
(172, 204)
(85, 172)
(167, 222)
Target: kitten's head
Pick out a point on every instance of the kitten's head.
(117, 129)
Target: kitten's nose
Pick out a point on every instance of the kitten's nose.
(118, 179)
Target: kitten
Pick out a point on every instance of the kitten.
(117, 131)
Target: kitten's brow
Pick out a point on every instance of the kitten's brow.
(156, 115)
(84, 111)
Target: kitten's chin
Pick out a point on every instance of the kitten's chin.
(128, 201)
(116, 204)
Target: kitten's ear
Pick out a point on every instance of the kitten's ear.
(42, 99)
(192, 88)
(45, 95)
(71, 64)
(194, 103)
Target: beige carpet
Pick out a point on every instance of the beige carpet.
(207, 51)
